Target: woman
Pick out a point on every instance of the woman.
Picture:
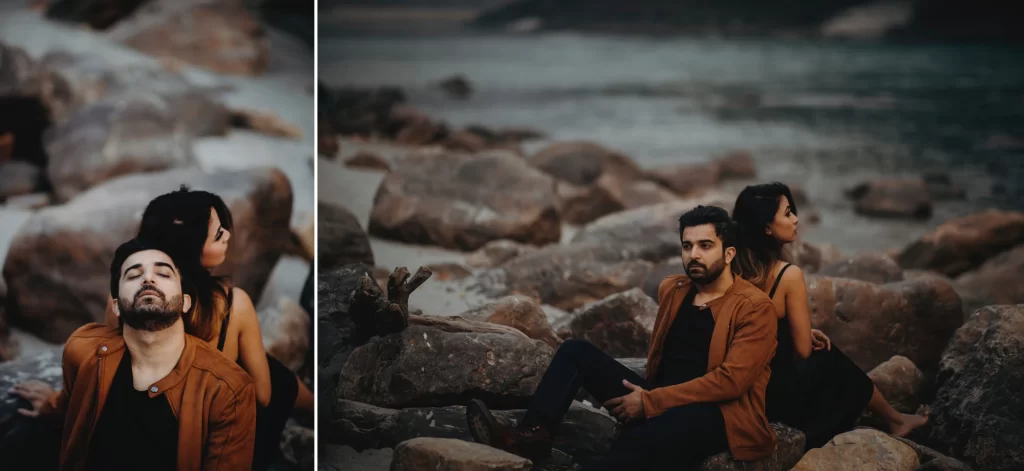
(200, 223)
(814, 387)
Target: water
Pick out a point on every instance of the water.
(825, 115)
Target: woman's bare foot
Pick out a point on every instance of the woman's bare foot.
(908, 422)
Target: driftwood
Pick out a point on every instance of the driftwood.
(375, 313)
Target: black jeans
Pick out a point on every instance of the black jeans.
(687, 433)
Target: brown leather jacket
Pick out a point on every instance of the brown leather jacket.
(213, 398)
(742, 346)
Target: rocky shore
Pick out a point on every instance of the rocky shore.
(107, 106)
(518, 251)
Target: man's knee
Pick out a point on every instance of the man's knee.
(576, 348)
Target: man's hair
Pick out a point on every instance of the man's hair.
(134, 246)
(719, 218)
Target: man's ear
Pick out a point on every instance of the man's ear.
(117, 308)
(186, 303)
(730, 254)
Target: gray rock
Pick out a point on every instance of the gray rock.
(619, 325)
(788, 452)
(997, 281)
(340, 239)
(28, 443)
(893, 197)
(18, 178)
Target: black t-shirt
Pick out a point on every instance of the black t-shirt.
(685, 355)
(134, 431)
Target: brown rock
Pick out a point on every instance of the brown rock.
(326, 140)
(465, 141)
(582, 204)
(859, 449)
(961, 244)
(421, 133)
(810, 257)
(871, 267)
(221, 35)
(687, 179)
(738, 164)
(788, 452)
(285, 328)
(265, 123)
(463, 203)
(997, 281)
(454, 455)
(976, 411)
(872, 322)
(497, 252)
(620, 325)
(645, 193)
(420, 366)
(57, 268)
(18, 178)
(892, 197)
(368, 160)
(899, 380)
(341, 241)
(519, 312)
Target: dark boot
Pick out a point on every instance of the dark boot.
(532, 443)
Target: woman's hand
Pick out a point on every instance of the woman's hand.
(820, 341)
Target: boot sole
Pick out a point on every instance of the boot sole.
(481, 423)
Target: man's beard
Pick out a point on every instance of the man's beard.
(151, 315)
(706, 274)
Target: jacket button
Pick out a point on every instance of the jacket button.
(679, 283)
(153, 389)
(103, 348)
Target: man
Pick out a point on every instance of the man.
(148, 396)
(707, 369)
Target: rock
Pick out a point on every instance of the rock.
(98, 14)
(645, 193)
(941, 187)
(892, 197)
(932, 460)
(326, 140)
(738, 164)
(297, 446)
(871, 267)
(976, 413)
(899, 380)
(658, 274)
(341, 240)
(809, 257)
(518, 312)
(27, 443)
(872, 323)
(448, 271)
(585, 433)
(221, 36)
(454, 455)
(787, 453)
(131, 133)
(18, 178)
(457, 86)
(463, 203)
(519, 134)
(265, 122)
(964, 243)
(457, 324)
(421, 133)
(687, 179)
(465, 141)
(497, 252)
(57, 268)
(860, 449)
(366, 112)
(997, 281)
(29, 202)
(591, 178)
(285, 328)
(620, 325)
(426, 367)
(368, 160)
(16, 67)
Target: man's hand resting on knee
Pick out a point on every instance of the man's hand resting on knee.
(629, 407)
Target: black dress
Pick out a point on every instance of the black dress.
(821, 396)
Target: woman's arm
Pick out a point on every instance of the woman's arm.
(797, 310)
(109, 318)
(250, 344)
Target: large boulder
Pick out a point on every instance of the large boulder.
(872, 322)
(965, 243)
(454, 455)
(126, 134)
(28, 443)
(871, 267)
(860, 449)
(340, 239)
(892, 197)
(285, 327)
(464, 202)
(58, 264)
(810, 257)
(687, 179)
(422, 366)
(620, 325)
(978, 411)
(997, 281)
(221, 35)
(899, 380)
(336, 331)
(519, 312)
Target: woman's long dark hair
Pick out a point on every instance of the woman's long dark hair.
(755, 210)
(182, 218)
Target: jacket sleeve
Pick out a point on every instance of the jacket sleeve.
(752, 348)
(56, 406)
(232, 436)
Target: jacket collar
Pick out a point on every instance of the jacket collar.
(683, 284)
(115, 347)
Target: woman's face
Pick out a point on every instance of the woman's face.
(216, 248)
(784, 227)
